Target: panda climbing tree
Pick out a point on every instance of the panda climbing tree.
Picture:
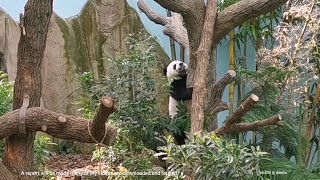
(176, 73)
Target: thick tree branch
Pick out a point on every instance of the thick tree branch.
(219, 107)
(180, 7)
(34, 25)
(245, 127)
(238, 13)
(152, 15)
(220, 86)
(5, 174)
(215, 104)
(242, 110)
(173, 26)
(63, 126)
(201, 73)
(105, 109)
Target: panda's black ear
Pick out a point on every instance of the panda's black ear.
(164, 71)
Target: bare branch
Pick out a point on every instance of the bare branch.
(177, 31)
(219, 107)
(220, 86)
(62, 126)
(240, 12)
(173, 26)
(245, 127)
(242, 110)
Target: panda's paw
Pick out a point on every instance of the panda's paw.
(173, 116)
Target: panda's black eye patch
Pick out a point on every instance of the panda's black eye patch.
(174, 67)
(180, 64)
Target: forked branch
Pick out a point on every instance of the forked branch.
(219, 87)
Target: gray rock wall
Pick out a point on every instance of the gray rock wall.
(75, 45)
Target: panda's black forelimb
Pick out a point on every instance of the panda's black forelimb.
(179, 90)
(180, 138)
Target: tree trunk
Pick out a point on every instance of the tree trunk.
(31, 47)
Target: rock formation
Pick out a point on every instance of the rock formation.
(75, 45)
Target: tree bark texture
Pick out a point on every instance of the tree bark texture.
(34, 29)
(5, 173)
(199, 94)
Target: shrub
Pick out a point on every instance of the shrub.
(209, 157)
(6, 97)
(132, 82)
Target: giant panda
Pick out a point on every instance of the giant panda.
(176, 73)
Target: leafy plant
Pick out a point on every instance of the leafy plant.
(266, 83)
(6, 94)
(135, 83)
(41, 152)
(6, 97)
(284, 169)
(206, 156)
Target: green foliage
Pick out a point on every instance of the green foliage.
(41, 152)
(6, 98)
(265, 83)
(122, 160)
(289, 170)
(209, 157)
(132, 83)
(117, 158)
(6, 94)
(89, 103)
(182, 121)
(257, 29)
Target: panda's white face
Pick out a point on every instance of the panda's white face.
(176, 68)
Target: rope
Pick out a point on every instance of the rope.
(99, 145)
(105, 135)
